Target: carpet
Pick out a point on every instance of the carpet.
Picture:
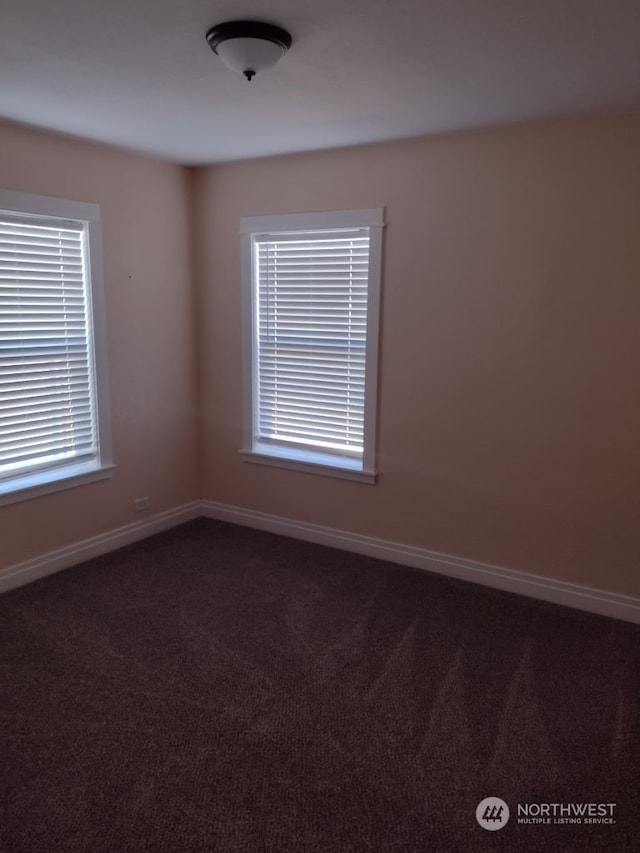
(219, 689)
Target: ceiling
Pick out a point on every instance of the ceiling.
(140, 75)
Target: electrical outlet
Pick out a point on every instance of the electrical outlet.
(141, 503)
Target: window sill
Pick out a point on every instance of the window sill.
(323, 468)
(54, 480)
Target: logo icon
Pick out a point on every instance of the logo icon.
(492, 813)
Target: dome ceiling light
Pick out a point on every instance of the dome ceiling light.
(248, 47)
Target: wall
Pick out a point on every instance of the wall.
(509, 421)
(145, 212)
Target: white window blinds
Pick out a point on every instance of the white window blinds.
(47, 408)
(311, 297)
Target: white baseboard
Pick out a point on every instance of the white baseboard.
(535, 586)
(64, 558)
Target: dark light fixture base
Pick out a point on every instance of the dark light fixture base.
(248, 30)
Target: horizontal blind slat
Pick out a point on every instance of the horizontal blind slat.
(42, 421)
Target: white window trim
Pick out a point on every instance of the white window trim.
(301, 460)
(30, 485)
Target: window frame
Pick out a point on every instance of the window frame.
(24, 486)
(282, 456)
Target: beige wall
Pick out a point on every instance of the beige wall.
(144, 207)
(509, 408)
(509, 421)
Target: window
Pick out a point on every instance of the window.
(54, 428)
(311, 284)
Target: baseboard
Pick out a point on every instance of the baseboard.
(64, 558)
(534, 586)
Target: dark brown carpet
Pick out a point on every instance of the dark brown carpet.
(219, 689)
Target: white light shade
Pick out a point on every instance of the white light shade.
(248, 47)
(247, 54)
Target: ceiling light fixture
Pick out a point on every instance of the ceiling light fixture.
(248, 47)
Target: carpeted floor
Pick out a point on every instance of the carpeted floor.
(219, 689)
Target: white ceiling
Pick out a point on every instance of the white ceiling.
(139, 73)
